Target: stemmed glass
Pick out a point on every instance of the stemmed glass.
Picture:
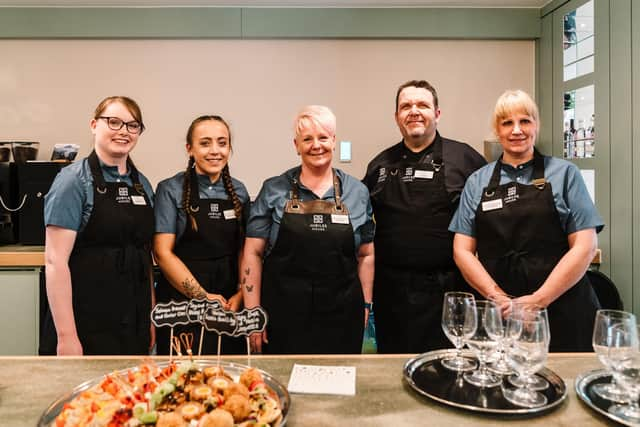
(505, 302)
(603, 328)
(526, 354)
(483, 343)
(625, 363)
(531, 381)
(458, 324)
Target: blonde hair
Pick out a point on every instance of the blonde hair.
(514, 101)
(317, 116)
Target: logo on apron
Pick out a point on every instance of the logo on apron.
(512, 195)
(318, 223)
(123, 195)
(214, 211)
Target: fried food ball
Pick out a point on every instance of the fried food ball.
(238, 406)
(217, 418)
(190, 410)
(201, 392)
(249, 376)
(236, 388)
(215, 371)
(170, 419)
(218, 384)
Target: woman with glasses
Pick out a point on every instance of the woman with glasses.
(99, 227)
(313, 227)
(200, 219)
(533, 226)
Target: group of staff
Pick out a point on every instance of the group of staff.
(439, 217)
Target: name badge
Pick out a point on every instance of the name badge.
(492, 205)
(138, 200)
(423, 174)
(339, 219)
(229, 214)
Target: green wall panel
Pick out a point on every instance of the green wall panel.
(392, 23)
(635, 148)
(213, 22)
(119, 22)
(621, 151)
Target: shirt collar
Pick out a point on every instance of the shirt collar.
(520, 167)
(113, 170)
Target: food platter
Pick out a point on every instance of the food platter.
(426, 375)
(234, 370)
(584, 390)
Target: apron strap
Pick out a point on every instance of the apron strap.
(436, 158)
(194, 197)
(295, 195)
(538, 170)
(96, 172)
(494, 182)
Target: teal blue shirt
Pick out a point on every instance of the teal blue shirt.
(571, 198)
(169, 212)
(268, 208)
(69, 202)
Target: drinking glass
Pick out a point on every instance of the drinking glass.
(484, 344)
(533, 382)
(603, 337)
(458, 324)
(500, 365)
(526, 354)
(624, 358)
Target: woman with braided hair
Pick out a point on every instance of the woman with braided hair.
(200, 220)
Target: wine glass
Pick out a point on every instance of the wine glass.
(526, 354)
(533, 382)
(458, 324)
(624, 358)
(603, 328)
(505, 302)
(483, 343)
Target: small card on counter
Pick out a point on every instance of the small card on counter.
(314, 379)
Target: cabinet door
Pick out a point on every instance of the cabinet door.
(19, 305)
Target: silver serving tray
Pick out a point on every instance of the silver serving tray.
(584, 384)
(426, 375)
(233, 369)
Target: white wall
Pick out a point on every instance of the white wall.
(49, 88)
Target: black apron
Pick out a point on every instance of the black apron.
(414, 254)
(211, 255)
(110, 270)
(520, 240)
(310, 285)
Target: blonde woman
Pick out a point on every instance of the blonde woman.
(312, 226)
(533, 225)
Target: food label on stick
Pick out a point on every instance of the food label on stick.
(220, 321)
(251, 321)
(197, 307)
(170, 314)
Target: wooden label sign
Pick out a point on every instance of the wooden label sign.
(250, 321)
(170, 314)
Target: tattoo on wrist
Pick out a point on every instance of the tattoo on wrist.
(249, 288)
(192, 289)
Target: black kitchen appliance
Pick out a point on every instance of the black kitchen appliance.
(34, 180)
(8, 203)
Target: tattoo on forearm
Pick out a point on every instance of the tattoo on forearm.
(192, 289)
(249, 288)
(244, 280)
(247, 271)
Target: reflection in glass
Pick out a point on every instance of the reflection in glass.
(578, 42)
(579, 123)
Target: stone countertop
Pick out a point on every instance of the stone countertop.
(29, 384)
(21, 256)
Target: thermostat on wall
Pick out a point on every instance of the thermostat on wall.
(345, 151)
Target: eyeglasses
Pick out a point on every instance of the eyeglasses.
(115, 123)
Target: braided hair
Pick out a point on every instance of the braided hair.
(226, 177)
